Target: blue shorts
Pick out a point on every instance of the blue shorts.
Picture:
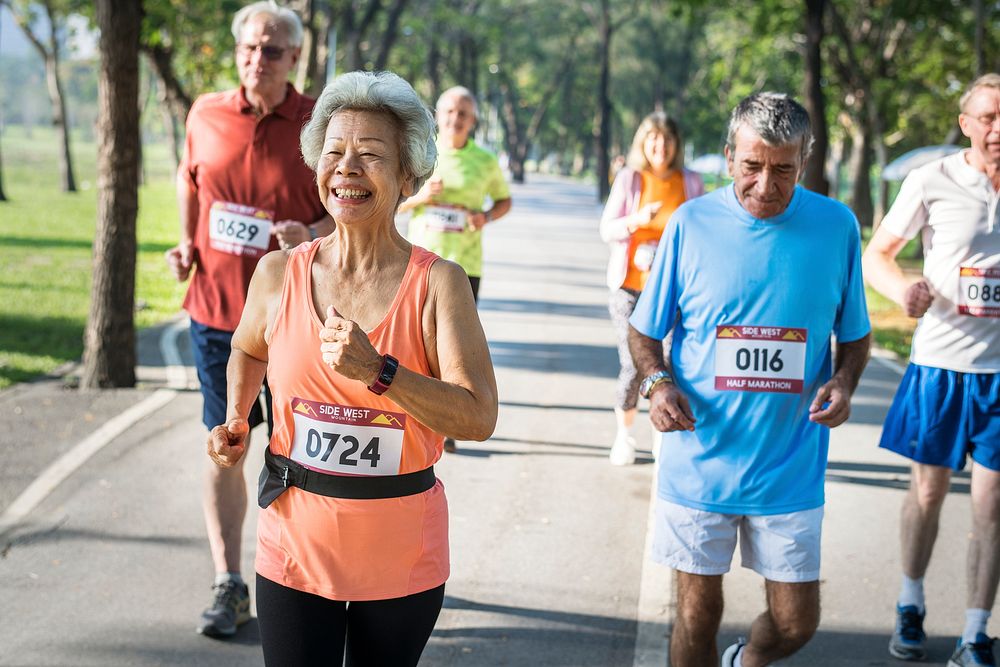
(940, 416)
(211, 349)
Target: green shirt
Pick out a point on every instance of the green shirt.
(469, 174)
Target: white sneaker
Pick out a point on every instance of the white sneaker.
(623, 451)
(729, 657)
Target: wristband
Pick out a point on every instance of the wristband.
(389, 367)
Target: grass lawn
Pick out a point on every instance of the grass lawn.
(46, 238)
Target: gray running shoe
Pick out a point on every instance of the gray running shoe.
(976, 654)
(729, 657)
(909, 642)
(230, 609)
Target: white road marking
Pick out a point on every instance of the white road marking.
(68, 463)
(653, 612)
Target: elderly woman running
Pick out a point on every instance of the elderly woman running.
(375, 352)
(643, 197)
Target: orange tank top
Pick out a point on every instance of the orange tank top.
(346, 549)
(642, 244)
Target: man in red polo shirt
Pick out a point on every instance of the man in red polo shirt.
(242, 190)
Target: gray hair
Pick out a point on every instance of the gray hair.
(382, 92)
(283, 15)
(460, 91)
(774, 117)
(991, 80)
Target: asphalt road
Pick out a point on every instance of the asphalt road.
(112, 568)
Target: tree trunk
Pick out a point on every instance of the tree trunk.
(602, 123)
(861, 167)
(815, 173)
(109, 341)
(54, 85)
(3, 197)
(390, 34)
(516, 146)
(174, 100)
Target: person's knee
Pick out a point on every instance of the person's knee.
(699, 605)
(796, 624)
(929, 491)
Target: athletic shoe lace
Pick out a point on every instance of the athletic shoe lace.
(911, 626)
(983, 651)
(227, 596)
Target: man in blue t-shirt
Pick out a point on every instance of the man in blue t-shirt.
(753, 280)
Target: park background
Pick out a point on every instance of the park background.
(562, 86)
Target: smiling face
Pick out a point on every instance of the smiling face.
(659, 150)
(264, 58)
(764, 175)
(980, 122)
(455, 117)
(359, 173)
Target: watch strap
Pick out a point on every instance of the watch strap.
(385, 376)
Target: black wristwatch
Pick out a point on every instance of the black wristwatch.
(646, 386)
(389, 367)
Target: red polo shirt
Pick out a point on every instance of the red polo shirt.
(251, 171)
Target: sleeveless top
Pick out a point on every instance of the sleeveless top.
(346, 549)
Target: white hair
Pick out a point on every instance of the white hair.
(460, 91)
(283, 15)
(382, 92)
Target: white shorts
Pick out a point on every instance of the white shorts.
(779, 547)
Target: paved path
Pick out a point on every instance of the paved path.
(112, 567)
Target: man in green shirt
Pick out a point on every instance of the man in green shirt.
(448, 214)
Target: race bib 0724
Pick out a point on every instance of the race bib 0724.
(754, 358)
(345, 439)
(979, 292)
(239, 230)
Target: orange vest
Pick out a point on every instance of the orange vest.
(642, 244)
(345, 549)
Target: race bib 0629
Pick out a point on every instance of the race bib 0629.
(347, 440)
(239, 230)
(769, 359)
(444, 218)
(979, 292)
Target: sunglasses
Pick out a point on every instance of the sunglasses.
(269, 52)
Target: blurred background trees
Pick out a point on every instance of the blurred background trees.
(563, 84)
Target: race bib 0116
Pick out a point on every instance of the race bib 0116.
(444, 218)
(979, 292)
(768, 359)
(239, 230)
(347, 440)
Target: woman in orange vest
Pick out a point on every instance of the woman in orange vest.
(644, 195)
(374, 352)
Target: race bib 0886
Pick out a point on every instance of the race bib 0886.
(979, 292)
(347, 440)
(752, 358)
(239, 230)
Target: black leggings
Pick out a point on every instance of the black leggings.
(304, 630)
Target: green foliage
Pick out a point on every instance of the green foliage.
(46, 238)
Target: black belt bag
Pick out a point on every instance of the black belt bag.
(280, 472)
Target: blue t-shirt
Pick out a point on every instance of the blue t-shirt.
(755, 303)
